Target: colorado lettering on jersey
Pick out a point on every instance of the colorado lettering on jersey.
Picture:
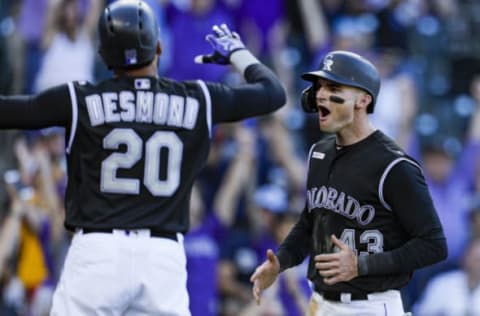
(142, 107)
(343, 204)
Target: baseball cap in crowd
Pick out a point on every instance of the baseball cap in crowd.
(272, 198)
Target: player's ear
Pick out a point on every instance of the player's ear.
(363, 100)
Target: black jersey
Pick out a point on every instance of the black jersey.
(135, 148)
(358, 194)
(135, 145)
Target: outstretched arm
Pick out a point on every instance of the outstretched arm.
(291, 252)
(295, 248)
(265, 275)
(262, 94)
(50, 108)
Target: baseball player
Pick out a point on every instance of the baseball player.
(134, 145)
(368, 221)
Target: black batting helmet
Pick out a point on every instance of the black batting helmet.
(345, 68)
(128, 34)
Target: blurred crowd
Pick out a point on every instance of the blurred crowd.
(252, 189)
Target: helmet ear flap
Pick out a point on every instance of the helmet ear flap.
(308, 100)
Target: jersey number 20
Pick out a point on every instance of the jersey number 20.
(110, 183)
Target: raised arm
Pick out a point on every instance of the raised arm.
(262, 94)
(50, 27)
(474, 126)
(236, 177)
(92, 15)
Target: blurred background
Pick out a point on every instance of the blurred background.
(253, 187)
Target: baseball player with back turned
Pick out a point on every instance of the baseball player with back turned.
(369, 221)
(135, 144)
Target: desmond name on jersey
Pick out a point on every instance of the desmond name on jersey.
(142, 107)
(343, 204)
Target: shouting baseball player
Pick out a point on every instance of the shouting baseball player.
(368, 221)
(135, 144)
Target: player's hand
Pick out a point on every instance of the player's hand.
(224, 43)
(339, 266)
(265, 275)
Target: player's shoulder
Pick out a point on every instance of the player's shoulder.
(83, 84)
(324, 145)
(387, 145)
(326, 142)
(168, 85)
(387, 148)
(186, 86)
(392, 154)
(322, 148)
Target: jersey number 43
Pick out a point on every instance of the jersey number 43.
(111, 183)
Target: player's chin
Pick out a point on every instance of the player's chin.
(334, 124)
(328, 127)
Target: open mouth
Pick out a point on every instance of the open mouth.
(323, 111)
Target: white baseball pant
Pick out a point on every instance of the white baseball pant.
(126, 273)
(388, 303)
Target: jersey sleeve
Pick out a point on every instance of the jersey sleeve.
(298, 243)
(49, 108)
(406, 193)
(262, 94)
(296, 246)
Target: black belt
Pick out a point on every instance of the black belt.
(337, 296)
(153, 233)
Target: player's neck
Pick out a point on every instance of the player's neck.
(149, 70)
(141, 72)
(354, 133)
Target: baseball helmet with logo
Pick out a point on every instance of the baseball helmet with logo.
(344, 68)
(128, 33)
